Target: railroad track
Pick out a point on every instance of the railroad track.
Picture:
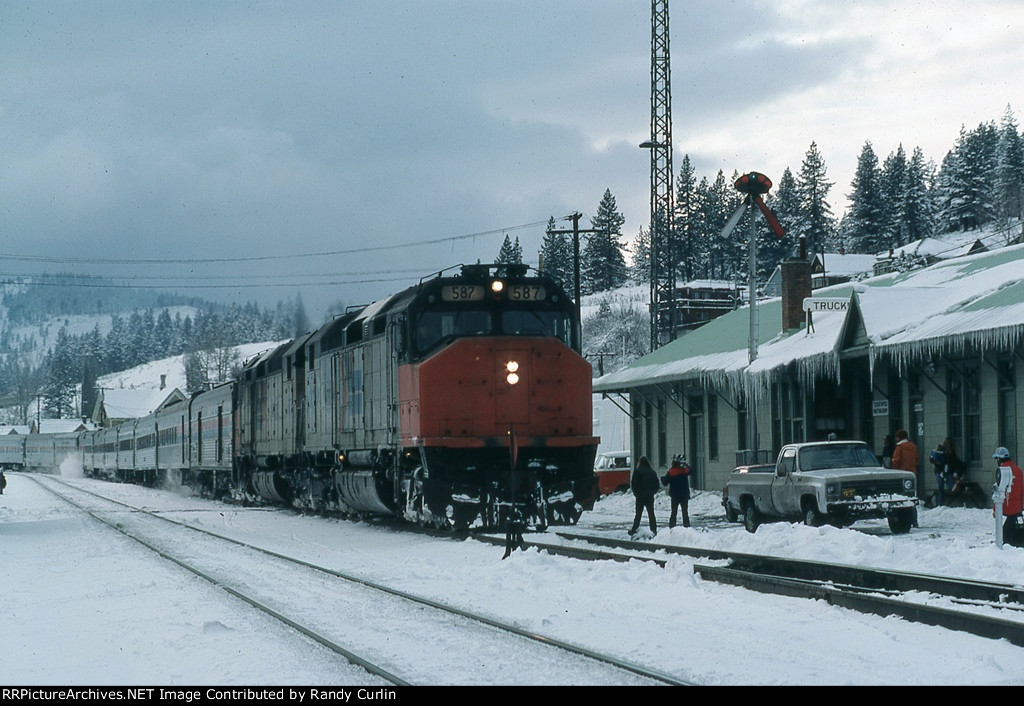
(266, 580)
(985, 609)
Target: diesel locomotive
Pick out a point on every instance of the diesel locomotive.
(462, 401)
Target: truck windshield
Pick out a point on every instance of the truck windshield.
(815, 458)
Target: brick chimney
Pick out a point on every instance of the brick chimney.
(796, 286)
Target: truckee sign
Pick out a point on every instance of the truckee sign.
(812, 304)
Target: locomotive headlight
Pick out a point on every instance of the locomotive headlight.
(512, 372)
(497, 286)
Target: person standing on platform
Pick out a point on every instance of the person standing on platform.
(644, 485)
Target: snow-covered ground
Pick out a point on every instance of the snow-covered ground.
(81, 604)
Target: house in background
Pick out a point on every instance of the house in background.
(826, 269)
(702, 300)
(59, 426)
(837, 268)
(927, 251)
(117, 405)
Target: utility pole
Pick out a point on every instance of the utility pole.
(575, 232)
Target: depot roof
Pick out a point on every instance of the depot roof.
(975, 300)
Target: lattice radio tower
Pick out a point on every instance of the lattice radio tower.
(664, 248)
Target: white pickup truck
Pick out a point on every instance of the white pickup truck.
(838, 482)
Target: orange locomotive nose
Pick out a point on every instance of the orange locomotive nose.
(489, 385)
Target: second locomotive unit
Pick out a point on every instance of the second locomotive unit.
(453, 403)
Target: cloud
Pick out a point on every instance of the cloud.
(228, 128)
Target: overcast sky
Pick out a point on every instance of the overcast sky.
(204, 130)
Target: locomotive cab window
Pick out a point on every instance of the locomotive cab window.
(433, 327)
(534, 322)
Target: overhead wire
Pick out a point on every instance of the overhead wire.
(110, 281)
(261, 258)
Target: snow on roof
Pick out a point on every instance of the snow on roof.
(708, 284)
(974, 300)
(842, 265)
(62, 426)
(950, 246)
(135, 403)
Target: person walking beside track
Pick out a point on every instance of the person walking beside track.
(644, 485)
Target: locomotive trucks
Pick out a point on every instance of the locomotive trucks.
(838, 482)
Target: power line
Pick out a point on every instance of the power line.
(246, 285)
(62, 278)
(263, 258)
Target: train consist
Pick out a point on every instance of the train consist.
(460, 402)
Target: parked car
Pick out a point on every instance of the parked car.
(612, 469)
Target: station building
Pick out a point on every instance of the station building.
(936, 351)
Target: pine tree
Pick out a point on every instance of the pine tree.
(510, 254)
(893, 183)
(785, 204)
(62, 375)
(865, 222)
(699, 231)
(718, 201)
(686, 216)
(556, 257)
(968, 180)
(1010, 170)
(640, 265)
(603, 266)
(818, 223)
(917, 206)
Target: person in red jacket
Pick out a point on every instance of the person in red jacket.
(904, 456)
(1013, 503)
(678, 481)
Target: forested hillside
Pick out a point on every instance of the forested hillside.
(57, 335)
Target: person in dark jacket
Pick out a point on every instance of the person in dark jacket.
(888, 446)
(946, 465)
(678, 481)
(644, 484)
(3, 482)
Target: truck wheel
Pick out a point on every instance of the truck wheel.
(730, 513)
(751, 517)
(901, 521)
(812, 518)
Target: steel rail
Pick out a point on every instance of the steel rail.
(864, 589)
(469, 615)
(857, 599)
(308, 632)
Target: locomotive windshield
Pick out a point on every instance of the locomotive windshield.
(435, 326)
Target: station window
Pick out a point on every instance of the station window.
(964, 405)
